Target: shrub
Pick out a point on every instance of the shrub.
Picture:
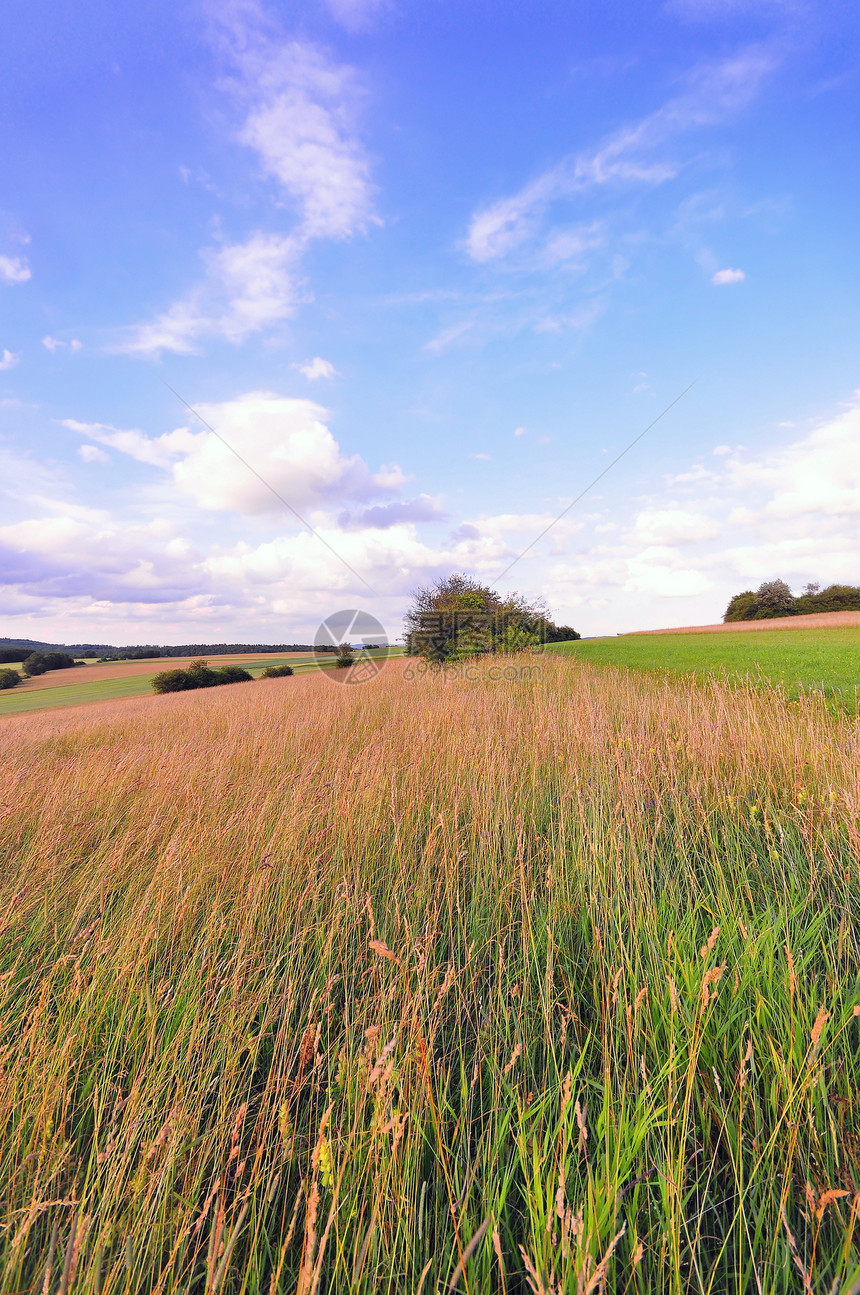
(345, 656)
(173, 681)
(9, 679)
(276, 671)
(231, 674)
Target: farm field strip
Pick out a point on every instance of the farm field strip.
(801, 661)
(77, 688)
(544, 986)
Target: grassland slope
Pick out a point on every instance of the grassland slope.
(824, 661)
(547, 984)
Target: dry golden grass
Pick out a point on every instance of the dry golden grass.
(546, 984)
(812, 621)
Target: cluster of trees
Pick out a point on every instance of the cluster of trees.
(35, 663)
(774, 598)
(198, 675)
(276, 671)
(457, 618)
(41, 662)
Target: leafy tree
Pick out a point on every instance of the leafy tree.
(345, 656)
(8, 656)
(742, 607)
(9, 679)
(276, 671)
(773, 598)
(457, 618)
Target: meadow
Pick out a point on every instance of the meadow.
(798, 661)
(544, 984)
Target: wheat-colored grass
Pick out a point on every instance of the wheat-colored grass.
(546, 984)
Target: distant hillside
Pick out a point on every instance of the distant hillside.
(154, 649)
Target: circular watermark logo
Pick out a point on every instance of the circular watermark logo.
(352, 645)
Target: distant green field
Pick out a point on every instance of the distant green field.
(800, 661)
(19, 699)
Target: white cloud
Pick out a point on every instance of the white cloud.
(317, 368)
(157, 451)
(8, 360)
(728, 276)
(626, 157)
(521, 431)
(658, 570)
(299, 110)
(249, 286)
(14, 269)
(301, 126)
(819, 474)
(481, 456)
(285, 441)
(92, 454)
(672, 526)
(53, 344)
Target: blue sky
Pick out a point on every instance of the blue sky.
(427, 267)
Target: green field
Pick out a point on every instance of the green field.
(800, 661)
(18, 700)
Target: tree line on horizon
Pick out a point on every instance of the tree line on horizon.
(774, 598)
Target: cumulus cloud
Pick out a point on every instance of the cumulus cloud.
(317, 368)
(728, 276)
(627, 157)
(94, 557)
(8, 360)
(817, 474)
(299, 112)
(14, 269)
(282, 442)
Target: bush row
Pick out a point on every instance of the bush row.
(200, 675)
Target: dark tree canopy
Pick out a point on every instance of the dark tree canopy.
(41, 662)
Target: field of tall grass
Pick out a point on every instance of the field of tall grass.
(544, 984)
